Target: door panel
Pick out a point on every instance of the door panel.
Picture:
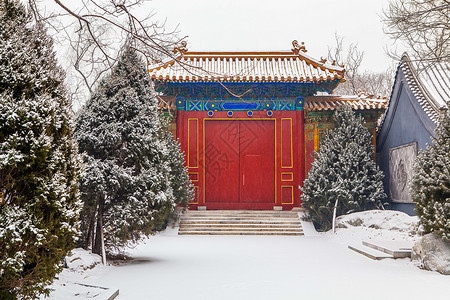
(257, 153)
(252, 178)
(222, 161)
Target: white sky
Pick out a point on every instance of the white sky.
(263, 25)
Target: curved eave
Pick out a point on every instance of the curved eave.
(331, 103)
(250, 80)
(204, 60)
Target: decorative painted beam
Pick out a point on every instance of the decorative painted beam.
(234, 105)
(241, 90)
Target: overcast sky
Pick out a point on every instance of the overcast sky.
(272, 25)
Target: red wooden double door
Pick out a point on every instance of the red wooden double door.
(240, 161)
(243, 162)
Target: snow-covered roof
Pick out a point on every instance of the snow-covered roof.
(436, 80)
(276, 66)
(331, 102)
(429, 82)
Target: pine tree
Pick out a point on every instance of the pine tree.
(430, 184)
(126, 188)
(39, 165)
(343, 170)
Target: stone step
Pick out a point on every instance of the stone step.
(369, 252)
(267, 212)
(397, 249)
(290, 216)
(240, 222)
(256, 213)
(231, 220)
(240, 229)
(240, 233)
(243, 225)
(274, 220)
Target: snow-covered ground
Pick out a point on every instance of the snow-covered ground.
(315, 266)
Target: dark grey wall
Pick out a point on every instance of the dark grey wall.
(405, 123)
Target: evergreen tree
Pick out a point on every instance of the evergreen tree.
(126, 188)
(182, 187)
(343, 170)
(430, 184)
(39, 165)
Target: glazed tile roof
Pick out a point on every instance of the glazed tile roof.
(280, 66)
(331, 102)
(430, 84)
(436, 80)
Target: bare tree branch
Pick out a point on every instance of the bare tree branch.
(423, 25)
(95, 31)
(372, 84)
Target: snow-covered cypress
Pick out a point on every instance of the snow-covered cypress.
(126, 188)
(344, 171)
(39, 165)
(430, 184)
(182, 187)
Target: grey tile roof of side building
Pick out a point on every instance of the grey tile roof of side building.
(429, 82)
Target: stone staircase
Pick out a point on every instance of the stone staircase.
(384, 249)
(240, 222)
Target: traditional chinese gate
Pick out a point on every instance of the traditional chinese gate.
(240, 161)
(243, 159)
(240, 122)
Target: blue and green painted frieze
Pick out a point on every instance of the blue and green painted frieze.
(240, 105)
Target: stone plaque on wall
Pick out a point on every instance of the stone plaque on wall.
(401, 160)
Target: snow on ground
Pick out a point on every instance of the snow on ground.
(375, 225)
(74, 281)
(315, 266)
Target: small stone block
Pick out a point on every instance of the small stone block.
(297, 209)
(278, 208)
(201, 207)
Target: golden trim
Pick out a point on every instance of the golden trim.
(237, 119)
(189, 143)
(292, 193)
(306, 147)
(275, 141)
(204, 160)
(316, 138)
(281, 144)
(287, 173)
(191, 173)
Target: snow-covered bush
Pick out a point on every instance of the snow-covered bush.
(343, 170)
(39, 165)
(430, 184)
(127, 186)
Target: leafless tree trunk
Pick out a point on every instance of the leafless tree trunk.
(97, 247)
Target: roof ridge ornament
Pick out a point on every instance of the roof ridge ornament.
(182, 48)
(297, 48)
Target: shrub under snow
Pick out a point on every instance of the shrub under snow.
(344, 171)
(430, 184)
